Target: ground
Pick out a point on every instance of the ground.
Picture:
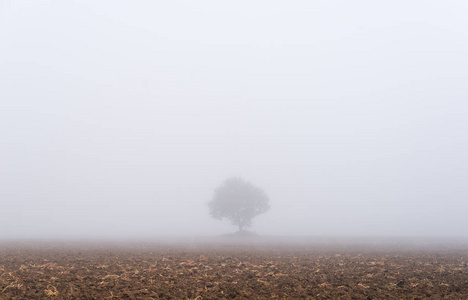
(207, 269)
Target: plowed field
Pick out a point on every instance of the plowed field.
(230, 271)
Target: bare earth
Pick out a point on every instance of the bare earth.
(235, 269)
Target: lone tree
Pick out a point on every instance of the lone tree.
(238, 201)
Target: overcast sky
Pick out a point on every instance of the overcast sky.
(120, 118)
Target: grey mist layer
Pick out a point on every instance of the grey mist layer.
(120, 118)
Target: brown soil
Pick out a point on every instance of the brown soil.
(151, 271)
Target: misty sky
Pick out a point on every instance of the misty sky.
(120, 118)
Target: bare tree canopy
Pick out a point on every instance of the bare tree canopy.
(238, 201)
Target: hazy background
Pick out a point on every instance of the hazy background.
(119, 118)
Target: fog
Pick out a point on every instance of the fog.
(118, 119)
